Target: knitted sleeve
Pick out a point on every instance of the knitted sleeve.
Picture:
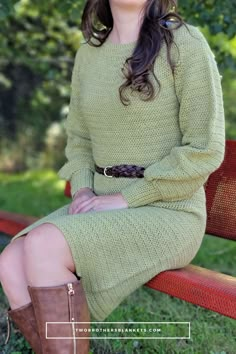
(202, 123)
(79, 169)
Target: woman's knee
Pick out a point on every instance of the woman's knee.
(35, 241)
(45, 242)
(11, 259)
(41, 240)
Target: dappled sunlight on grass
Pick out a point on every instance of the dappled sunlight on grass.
(34, 192)
(59, 186)
(46, 175)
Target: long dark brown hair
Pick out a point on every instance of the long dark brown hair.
(97, 22)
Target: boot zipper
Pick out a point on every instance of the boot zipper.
(8, 329)
(71, 293)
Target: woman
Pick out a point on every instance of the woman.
(147, 100)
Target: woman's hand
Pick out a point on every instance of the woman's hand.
(80, 196)
(101, 202)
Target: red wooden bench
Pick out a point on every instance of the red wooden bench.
(204, 287)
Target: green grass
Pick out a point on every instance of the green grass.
(34, 192)
(40, 192)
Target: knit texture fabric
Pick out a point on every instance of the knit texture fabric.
(179, 137)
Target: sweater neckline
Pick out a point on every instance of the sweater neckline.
(118, 47)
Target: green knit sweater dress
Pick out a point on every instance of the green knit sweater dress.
(179, 138)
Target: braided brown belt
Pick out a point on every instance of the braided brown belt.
(132, 171)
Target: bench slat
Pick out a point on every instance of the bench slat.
(12, 223)
(199, 286)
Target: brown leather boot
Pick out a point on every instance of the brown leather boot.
(63, 303)
(24, 318)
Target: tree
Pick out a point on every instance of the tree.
(213, 16)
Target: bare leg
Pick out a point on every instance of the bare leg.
(49, 268)
(40, 262)
(40, 258)
(12, 274)
(47, 257)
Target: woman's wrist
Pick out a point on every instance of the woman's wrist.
(81, 189)
(120, 196)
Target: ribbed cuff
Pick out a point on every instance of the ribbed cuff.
(140, 193)
(81, 179)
